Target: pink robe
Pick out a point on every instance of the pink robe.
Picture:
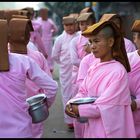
(15, 119)
(134, 77)
(129, 45)
(33, 89)
(77, 53)
(48, 29)
(85, 64)
(61, 55)
(103, 80)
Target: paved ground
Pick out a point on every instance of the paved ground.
(54, 125)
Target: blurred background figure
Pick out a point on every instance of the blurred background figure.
(49, 29)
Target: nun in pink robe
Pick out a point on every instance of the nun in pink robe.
(61, 55)
(32, 88)
(78, 52)
(48, 30)
(134, 84)
(134, 59)
(129, 45)
(77, 48)
(15, 69)
(103, 81)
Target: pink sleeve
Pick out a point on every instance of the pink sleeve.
(40, 44)
(74, 53)
(55, 29)
(45, 65)
(43, 80)
(89, 111)
(82, 72)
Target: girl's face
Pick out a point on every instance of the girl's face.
(85, 24)
(101, 46)
(136, 39)
(70, 28)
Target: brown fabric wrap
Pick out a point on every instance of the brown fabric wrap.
(87, 10)
(107, 17)
(19, 16)
(8, 14)
(119, 51)
(136, 26)
(4, 59)
(84, 16)
(69, 20)
(19, 34)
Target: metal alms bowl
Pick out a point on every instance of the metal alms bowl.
(84, 100)
(38, 109)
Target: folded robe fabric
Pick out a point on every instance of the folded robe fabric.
(4, 59)
(19, 36)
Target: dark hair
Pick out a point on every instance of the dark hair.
(108, 32)
(92, 17)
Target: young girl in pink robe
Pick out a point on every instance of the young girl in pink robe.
(49, 28)
(78, 52)
(108, 81)
(31, 88)
(134, 76)
(61, 55)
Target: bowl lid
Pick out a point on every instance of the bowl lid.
(84, 100)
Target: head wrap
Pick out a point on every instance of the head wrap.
(84, 16)
(4, 59)
(19, 36)
(106, 17)
(8, 14)
(87, 10)
(136, 26)
(69, 20)
(118, 49)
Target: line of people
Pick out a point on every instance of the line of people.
(95, 59)
(99, 61)
(24, 73)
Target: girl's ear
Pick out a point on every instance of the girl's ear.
(110, 41)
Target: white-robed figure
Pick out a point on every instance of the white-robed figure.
(61, 55)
